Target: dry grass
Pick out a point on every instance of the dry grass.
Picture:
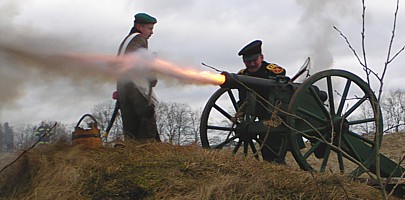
(163, 171)
(393, 146)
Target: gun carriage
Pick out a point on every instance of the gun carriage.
(320, 121)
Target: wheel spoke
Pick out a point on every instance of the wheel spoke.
(325, 158)
(254, 150)
(221, 128)
(219, 146)
(312, 130)
(357, 136)
(279, 152)
(233, 100)
(330, 96)
(351, 149)
(361, 121)
(354, 107)
(237, 146)
(340, 160)
(264, 145)
(258, 141)
(222, 111)
(344, 96)
(310, 114)
(245, 148)
(312, 149)
(319, 102)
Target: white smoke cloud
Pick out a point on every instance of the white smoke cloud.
(317, 23)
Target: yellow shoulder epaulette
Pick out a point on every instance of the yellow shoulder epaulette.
(242, 71)
(275, 68)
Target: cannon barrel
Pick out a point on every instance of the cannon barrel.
(235, 81)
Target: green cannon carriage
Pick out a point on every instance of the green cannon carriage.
(327, 122)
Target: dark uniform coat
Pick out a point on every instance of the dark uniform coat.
(268, 71)
(137, 113)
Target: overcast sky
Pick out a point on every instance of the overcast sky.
(187, 33)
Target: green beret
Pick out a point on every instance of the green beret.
(143, 18)
(251, 51)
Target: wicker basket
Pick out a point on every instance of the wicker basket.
(88, 138)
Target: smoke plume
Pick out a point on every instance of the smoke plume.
(317, 23)
(83, 74)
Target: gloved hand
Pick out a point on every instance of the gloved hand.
(153, 82)
(150, 111)
(115, 95)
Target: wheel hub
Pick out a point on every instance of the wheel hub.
(340, 126)
(242, 131)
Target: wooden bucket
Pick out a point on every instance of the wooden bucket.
(88, 138)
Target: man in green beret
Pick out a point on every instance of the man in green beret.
(135, 96)
(139, 34)
(256, 66)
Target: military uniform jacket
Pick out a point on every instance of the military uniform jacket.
(266, 70)
(132, 43)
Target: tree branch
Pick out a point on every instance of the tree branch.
(25, 151)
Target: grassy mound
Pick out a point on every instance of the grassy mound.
(163, 171)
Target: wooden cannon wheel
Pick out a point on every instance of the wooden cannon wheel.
(328, 128)
(223, 127)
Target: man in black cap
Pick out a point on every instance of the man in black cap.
(135, 97)
(256, 66)
(254, 61)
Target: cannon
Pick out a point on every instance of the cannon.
(326, 122)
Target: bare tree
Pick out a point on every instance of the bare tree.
(177, 123)
(24, 136)
(393, 106)
(61, 132)
(195, 118)
(366, 113)
(103, 112)
(162, 110)
(393, 110)
(379, 76)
